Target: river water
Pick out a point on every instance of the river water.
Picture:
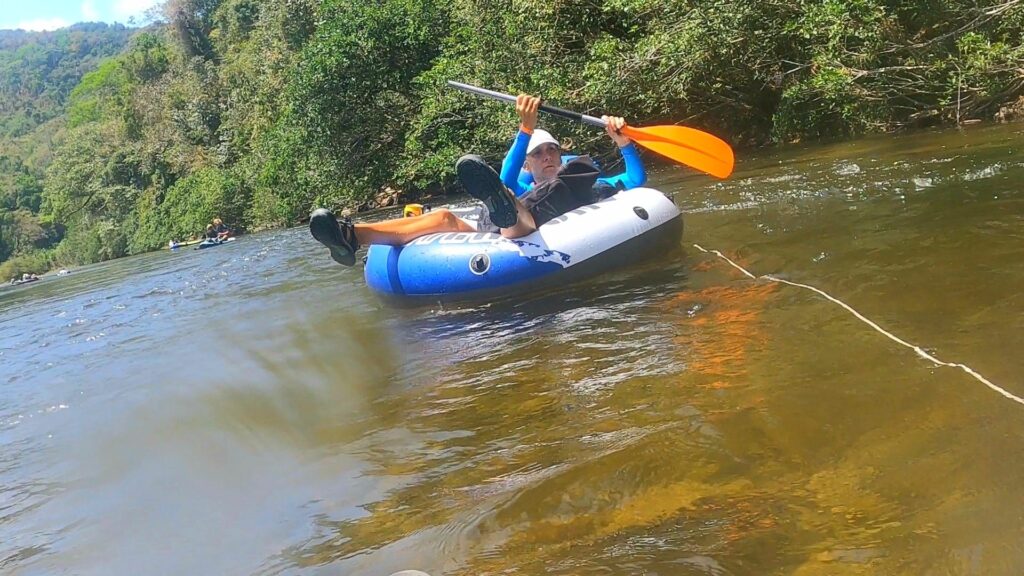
(253, 409)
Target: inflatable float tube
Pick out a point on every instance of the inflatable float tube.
(625, 228)
(210, 243)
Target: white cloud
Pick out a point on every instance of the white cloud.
(42, 24)
(89, 13)
(125, 9)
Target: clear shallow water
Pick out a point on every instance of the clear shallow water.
(252, 409)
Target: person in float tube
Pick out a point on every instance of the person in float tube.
(223, 232)
(514, 207)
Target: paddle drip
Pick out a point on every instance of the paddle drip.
(917, 349)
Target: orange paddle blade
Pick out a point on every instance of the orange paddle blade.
(688, 146)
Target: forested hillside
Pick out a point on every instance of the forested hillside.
(256, 111)
(38, 71)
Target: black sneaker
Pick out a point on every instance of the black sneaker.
(338, 236)
(484, 184)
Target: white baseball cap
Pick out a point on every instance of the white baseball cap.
(540, 137)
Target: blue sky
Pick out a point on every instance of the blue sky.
(53, 14)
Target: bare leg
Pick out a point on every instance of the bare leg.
(401, 230)
(524, 224)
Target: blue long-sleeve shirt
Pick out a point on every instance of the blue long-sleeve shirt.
(634, 176)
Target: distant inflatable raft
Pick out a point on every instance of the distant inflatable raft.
(629, 226)
(212, 242)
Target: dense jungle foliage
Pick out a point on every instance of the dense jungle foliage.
(38, 71)
(257, 111)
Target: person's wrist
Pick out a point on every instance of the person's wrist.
(526, 129)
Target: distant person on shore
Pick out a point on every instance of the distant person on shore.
(515, 206)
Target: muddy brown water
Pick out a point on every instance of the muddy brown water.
(253, 409)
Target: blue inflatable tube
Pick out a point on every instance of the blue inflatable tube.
(211, 242)
(627, 227)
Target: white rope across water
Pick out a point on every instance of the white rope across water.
(917, 349)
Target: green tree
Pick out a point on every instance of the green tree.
(191, 204)
(353, 96)
(28, 193)
(258, 111)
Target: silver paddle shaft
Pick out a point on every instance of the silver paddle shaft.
(543, 107)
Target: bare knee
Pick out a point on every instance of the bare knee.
(434, 218)
(440, 220)
(449, 219)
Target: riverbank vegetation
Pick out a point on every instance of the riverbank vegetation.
(257, 111)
